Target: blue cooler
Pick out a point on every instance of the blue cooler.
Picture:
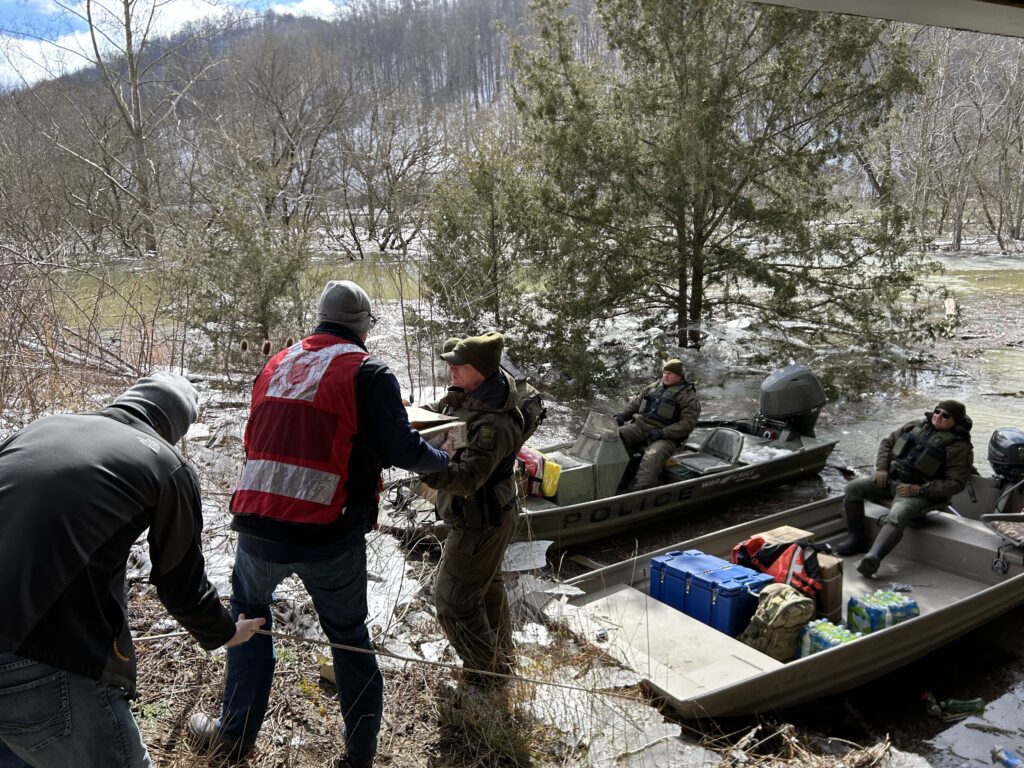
(712, 590)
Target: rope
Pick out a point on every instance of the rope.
(408, 659)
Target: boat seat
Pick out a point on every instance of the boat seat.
(719, 451)
(1009, 526)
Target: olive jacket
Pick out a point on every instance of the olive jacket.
(494, 436)
(644, 410)
(953, 452)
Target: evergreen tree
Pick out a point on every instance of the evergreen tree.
(478, 238)
(686, 176)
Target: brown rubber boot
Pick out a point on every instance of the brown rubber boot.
(855, 541)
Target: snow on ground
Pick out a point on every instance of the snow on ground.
(756, 454)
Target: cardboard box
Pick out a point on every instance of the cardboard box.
(421, 417)
(437, 434)
(829, 600)
(434, 427)
(785, 534)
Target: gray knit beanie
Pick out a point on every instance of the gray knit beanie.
(345, 303)
(166, 400)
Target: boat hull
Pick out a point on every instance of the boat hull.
(962, 574)
(590, 521)
(580, 523)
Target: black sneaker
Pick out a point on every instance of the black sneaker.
(205, 737)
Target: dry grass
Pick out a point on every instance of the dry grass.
(430, 720)
(769, 745)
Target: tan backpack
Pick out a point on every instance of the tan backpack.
(781, 612)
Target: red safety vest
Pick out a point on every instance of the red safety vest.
(300, 432)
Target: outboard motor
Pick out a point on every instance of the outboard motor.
(791, 399)
(1006, 453)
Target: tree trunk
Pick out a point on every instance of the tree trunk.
(696, 296)
(682, 279)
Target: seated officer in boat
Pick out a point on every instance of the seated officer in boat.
(658, 420)
(919, 466)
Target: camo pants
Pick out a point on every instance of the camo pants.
(634, 437)
(903, 509)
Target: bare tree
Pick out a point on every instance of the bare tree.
(386, 167)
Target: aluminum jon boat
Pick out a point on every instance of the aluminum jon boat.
(963, 571)
(721, 460)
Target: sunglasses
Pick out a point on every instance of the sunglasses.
(942, 413)
(373, 320)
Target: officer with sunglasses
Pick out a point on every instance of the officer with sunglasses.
(920, 465)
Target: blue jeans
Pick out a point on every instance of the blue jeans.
(338, 590)
(51, 718)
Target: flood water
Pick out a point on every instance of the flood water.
(983, 366)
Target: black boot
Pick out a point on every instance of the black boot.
(887, 538)
(207, 739)
(855, 541)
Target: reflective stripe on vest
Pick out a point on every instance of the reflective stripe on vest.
(289, 480)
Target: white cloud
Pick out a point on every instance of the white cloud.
(321, 9)
(24, 60)
(45, 7)
(46, 54)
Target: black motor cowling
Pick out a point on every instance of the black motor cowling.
(1006, 453)
(792, 397)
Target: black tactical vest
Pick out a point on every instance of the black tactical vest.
(660, 404)
(919, 455)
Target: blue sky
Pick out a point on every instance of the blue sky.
(46, 38)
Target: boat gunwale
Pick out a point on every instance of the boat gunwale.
(866, 659)
(819, 447)
(758, 523)
(917, 636)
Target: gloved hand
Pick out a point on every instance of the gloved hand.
(620, 419)
(654, 435)
(881, 478)
(906, 489)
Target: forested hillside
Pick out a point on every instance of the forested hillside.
(551, 169)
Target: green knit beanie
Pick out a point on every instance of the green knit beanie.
(674, 366)
(481, 352)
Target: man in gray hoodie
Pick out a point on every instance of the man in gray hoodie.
(76, 491)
